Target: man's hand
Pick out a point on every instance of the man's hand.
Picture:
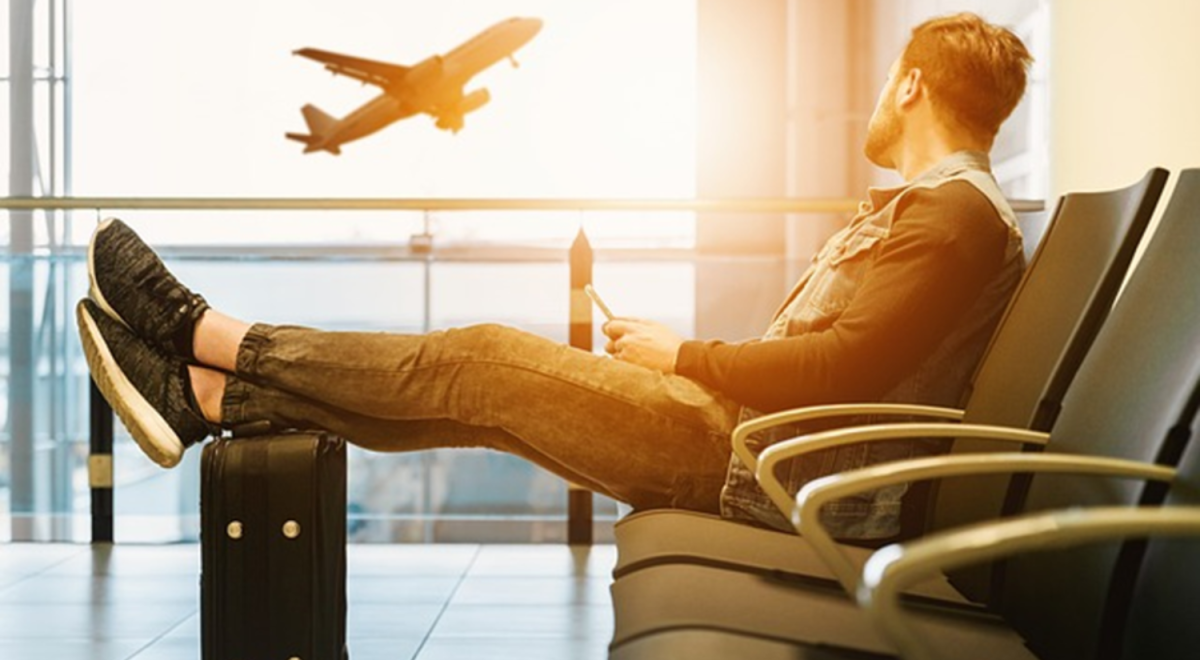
(644, 343)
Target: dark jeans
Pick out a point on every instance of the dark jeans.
(636, 435)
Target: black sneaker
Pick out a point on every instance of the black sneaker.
(131, 284)
(150, 392)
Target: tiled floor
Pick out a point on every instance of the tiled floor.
(422, 602)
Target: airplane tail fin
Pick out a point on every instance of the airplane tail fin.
(318, 121)
(319, 125)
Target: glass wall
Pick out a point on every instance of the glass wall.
(453, 495)
(193, 100)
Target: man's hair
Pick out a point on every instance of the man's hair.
(975, 71)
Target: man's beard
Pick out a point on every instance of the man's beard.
(883, 133)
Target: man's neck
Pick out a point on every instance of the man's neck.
(917, 154)
(919, 159)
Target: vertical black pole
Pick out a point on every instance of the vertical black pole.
(579, 502)
(100, 467)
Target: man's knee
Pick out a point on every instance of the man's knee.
(487, 333)
(494, 338)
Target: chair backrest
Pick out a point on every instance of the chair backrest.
(1155, 616)
(1063, 298)
(1033, 226)
(1133, 387)
(1049, 325)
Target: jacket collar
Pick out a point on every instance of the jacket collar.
(950, 166)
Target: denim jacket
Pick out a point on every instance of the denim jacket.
(819, 297)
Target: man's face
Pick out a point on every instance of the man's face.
(885, 128)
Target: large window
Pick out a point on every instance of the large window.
(193, 100)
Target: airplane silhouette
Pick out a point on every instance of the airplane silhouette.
(434, 86)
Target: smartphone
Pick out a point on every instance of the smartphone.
(591, 293)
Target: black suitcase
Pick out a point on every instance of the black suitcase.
(273, 548)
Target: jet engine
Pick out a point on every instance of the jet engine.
(474, 101)
(452, 119)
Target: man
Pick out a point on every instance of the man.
(897, 307)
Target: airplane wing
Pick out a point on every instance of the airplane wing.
(368, 71)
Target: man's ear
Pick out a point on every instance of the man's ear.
(911, 88)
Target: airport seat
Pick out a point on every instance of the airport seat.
(1074, 274)
(1132, 400)
(1149, 595)
(1151, 610)
(1060, 532)
(1156, 622)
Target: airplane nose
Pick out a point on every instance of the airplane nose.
(533, 26)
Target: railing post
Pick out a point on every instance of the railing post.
(579, 502)
(100, 466)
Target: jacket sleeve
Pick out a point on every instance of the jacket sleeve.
(946, 244)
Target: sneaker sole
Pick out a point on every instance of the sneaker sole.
(149, 430)
(94, 289)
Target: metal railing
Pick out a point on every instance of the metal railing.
(745, 205)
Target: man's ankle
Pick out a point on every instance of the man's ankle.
(208, 389)
(216, 339)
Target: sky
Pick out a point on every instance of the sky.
(193, 99)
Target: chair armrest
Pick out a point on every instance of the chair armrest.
(744, 430)
(789, 449)
(893, 569)
(818, 492)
